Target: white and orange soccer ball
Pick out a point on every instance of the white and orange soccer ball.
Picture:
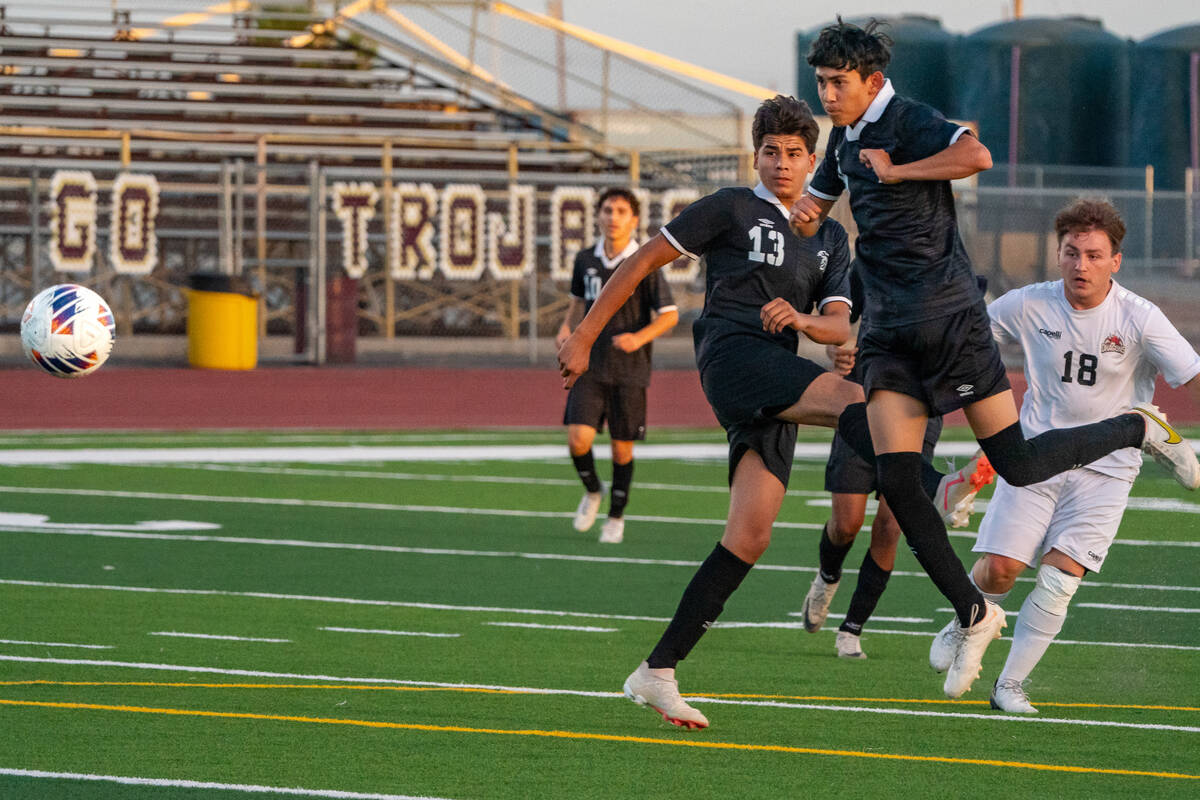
(67, 330)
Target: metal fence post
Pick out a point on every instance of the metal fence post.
(1148, 226)
(1189, 222)
(35, 231)
(319, 277)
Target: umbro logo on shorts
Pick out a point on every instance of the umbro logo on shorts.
(965, 390)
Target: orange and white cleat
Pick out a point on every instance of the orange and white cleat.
(955, 499)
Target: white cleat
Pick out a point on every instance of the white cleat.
(816, 603)
(1168, 448)
(585, 515)
(968, 655)
(613, 531)
(945, 643)
(955, 499)
(1009, 695)
(849, 645)
(658, 689)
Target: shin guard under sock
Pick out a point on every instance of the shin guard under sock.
(1022, 461)
(832, 556)
(585, 465)
(619, 494)
(702, 602)
(872, 580)
(899, 476)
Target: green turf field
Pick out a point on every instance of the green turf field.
(235, 620)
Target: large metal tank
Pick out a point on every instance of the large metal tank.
(1046, 91)
(1166, 71)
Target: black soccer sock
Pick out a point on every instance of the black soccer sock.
(1022, 461)
(872, 580)
(622, 478)
(899, 476)
(585, 465)
(702, 602)
(831, 555)
(854, 428)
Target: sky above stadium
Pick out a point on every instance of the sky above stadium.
(754, 40)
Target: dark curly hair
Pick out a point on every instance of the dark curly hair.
(784, 116)
(1091, 213)
(846, 46)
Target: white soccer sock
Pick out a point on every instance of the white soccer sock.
(1040, 620)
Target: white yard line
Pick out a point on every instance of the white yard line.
(728, 625)
(391, 633)
(221, 637)
(340, 454)
(995, 718)
(580, 628)
(247, 788)
(1116, 607)
(58, 644)
(73, 530)
(406, 508)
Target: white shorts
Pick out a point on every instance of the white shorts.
(1076, 512)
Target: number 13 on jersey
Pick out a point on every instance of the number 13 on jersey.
(774, 240)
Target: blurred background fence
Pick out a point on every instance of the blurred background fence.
(411, 180)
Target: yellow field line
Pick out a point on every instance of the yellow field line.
(761, 748)
(483, 690)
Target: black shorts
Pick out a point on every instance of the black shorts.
(773, 440)
(847, 473)
(592, 402)
(946, 363)
(748, 380)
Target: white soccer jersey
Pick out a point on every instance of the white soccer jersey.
(1085, 366)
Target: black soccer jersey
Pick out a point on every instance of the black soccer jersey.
(751, 257)
(914, 264)
(608, 364)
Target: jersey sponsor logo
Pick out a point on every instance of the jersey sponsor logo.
(965, 390)
(1113, 344)
(1050, 334)
(823, 256)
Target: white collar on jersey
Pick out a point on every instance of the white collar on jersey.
(598, 252)
(762, 192)
(873, 112)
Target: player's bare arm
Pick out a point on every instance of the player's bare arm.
(575, 352)
(830, 326)
(808, 213)
(574, 314)
(966, 157)
(635, 340)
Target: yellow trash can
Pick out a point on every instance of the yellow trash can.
(222, 322)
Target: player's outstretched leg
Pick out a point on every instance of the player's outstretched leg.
(658, 689)
(1168, 448)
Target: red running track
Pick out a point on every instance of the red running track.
(348, 398)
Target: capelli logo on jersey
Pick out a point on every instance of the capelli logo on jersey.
(1050, 334)
(823, 255)
(1113, 344)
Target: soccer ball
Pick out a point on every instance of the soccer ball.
(67, 330)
